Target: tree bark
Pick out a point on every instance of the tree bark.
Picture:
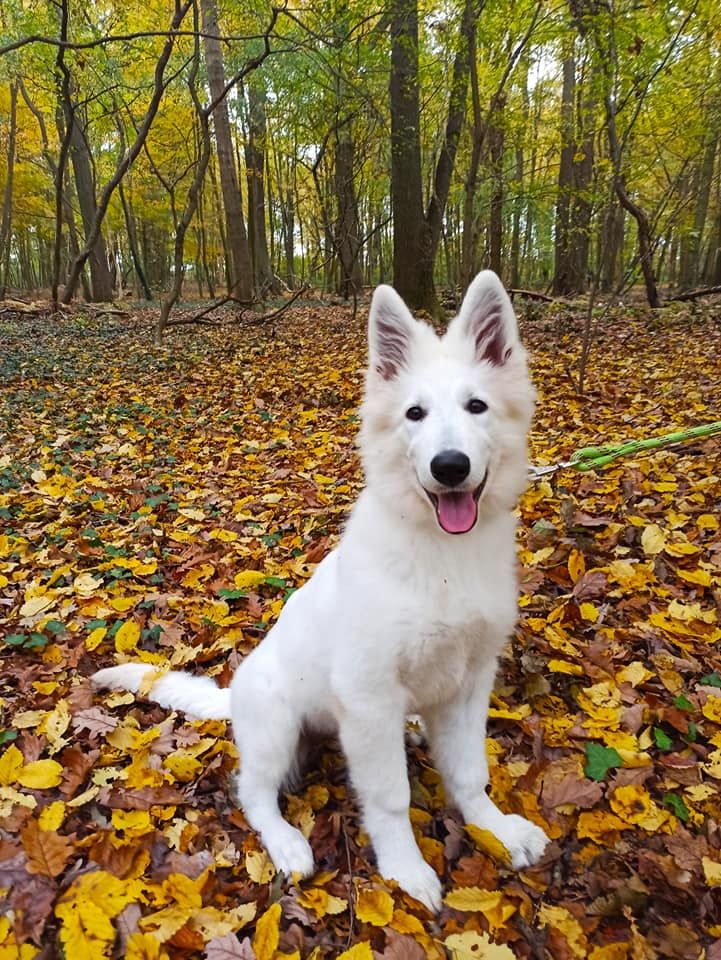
(495, 220)
(7, 212)
(416, 236)
(265, 279)
(347, 228)
(411, 238)
(562, 283)
(240, 269)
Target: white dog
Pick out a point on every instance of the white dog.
(410, 612)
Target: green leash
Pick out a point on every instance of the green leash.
(595, 458)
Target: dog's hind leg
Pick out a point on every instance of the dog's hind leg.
(372, 736)
(457, 736)
(266, 733)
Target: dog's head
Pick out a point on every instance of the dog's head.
(445, 418)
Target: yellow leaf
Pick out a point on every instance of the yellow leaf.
(712, 709)
(126, 639)
(488, 842)
(52, 816)
(41, 774)
(576, 565)
(699, 576)
(361, 951)
(653, 540)
(589, 612)
(561, 919)
(144, 946)
(248, 579)
(611, 951)
(11, 763)
(563, 666)
(259, 866)
(86, 585)
(634, 673)
(470, 945)
(375, 907)
(707, 521)
(95, 638)
(491, 903)
(122, 604)
(712, 871)
(267, 933)
(35, 605)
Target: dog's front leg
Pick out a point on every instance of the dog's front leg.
(373, 742)
(457, 735)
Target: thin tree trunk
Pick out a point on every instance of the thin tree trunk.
(133, 244)
(562, 283)
(265, 279)
(495, 220)
(7, 212)
(240, 269)
(347, 228)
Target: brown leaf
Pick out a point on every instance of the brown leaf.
(580, 792)
(140, 798)
(96, 721)
(229, 948)
(590, 586)
(400, 947)
(47, 851)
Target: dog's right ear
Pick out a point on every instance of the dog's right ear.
(391, 328)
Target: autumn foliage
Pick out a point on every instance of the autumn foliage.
(162, 504)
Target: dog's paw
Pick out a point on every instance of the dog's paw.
(419, 880)
(524, 841)
(289, 851)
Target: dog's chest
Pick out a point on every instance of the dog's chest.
(438, 657)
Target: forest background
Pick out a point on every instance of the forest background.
(243, 174)
(206, 150)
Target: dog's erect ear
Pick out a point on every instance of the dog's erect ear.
(391, 328)
(487, 318)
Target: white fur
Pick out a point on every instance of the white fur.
(401, 617)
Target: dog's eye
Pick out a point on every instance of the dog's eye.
(476, 406)
(415, 413)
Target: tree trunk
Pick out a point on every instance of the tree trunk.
(347, 229)
(265, 279)
(562, 283)
(415, 236)
(411, 237)
(495, 220)
(101, 282)
(7, 212)
(240, 270)
(133, 244)
(694, 271)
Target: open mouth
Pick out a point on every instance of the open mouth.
(456, 510)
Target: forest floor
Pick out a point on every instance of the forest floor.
(162, 503)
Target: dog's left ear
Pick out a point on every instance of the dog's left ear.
(391, 329)
(486, 317)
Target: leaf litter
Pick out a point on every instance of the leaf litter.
(163, 503)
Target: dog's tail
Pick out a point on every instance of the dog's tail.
(198, 697)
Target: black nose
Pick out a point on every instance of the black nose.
(450, 467)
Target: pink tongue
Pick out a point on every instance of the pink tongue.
(456, 511)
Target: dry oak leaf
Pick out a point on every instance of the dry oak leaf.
(374, 907)
(47, 851)
(229, 948)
